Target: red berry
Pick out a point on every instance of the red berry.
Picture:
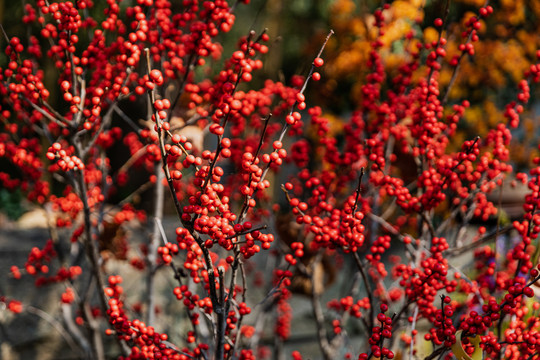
(318, 62)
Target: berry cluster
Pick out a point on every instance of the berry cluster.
(378, 336)
(347, 304)
(444, 331)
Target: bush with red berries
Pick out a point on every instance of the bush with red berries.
(274, 200)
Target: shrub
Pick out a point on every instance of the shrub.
(275, 200)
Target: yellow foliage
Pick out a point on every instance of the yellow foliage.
(359, 29)
(402, 15)
(396, 31)
(350, 59)
(475, 3)
(535, 7)
(460, 354)
(411, 9)
(335, 123)
(342, 7)
(529, 41)
(430, 34)
(514, 11)
(493, 114)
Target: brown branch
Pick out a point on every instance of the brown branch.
(221, 322)
(367, 285)
(153, 246)
(484, 239)
(358, 191)
(328, 351)
(83, 344)
(91, 251)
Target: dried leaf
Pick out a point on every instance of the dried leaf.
(460, 353)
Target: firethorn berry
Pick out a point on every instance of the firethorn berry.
(238, 55)
(290, 119)
(156, 77)
(318, 62)
(14, 306)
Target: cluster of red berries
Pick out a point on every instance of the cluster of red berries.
(341, 228)
(63, 160)
(485, 264)
(246, 354)
(168, 251)
(191, 300)
(28, 85)
(379, 246)
(443, 331)
(297, 253)
(24, 155)
(15, 306)
(68, 208)
(529, 228)
(522, 339)
(284, 318)
(39, 258)
(378, 336)
(145, 341)
(422, 284)
(347, 304)
(68, 296)
(494, 311)
(63, 274)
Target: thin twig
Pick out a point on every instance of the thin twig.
(358, 190)
(151, 257)
(452, 252)
(367, 285)
(327, 351)
(58, 327)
